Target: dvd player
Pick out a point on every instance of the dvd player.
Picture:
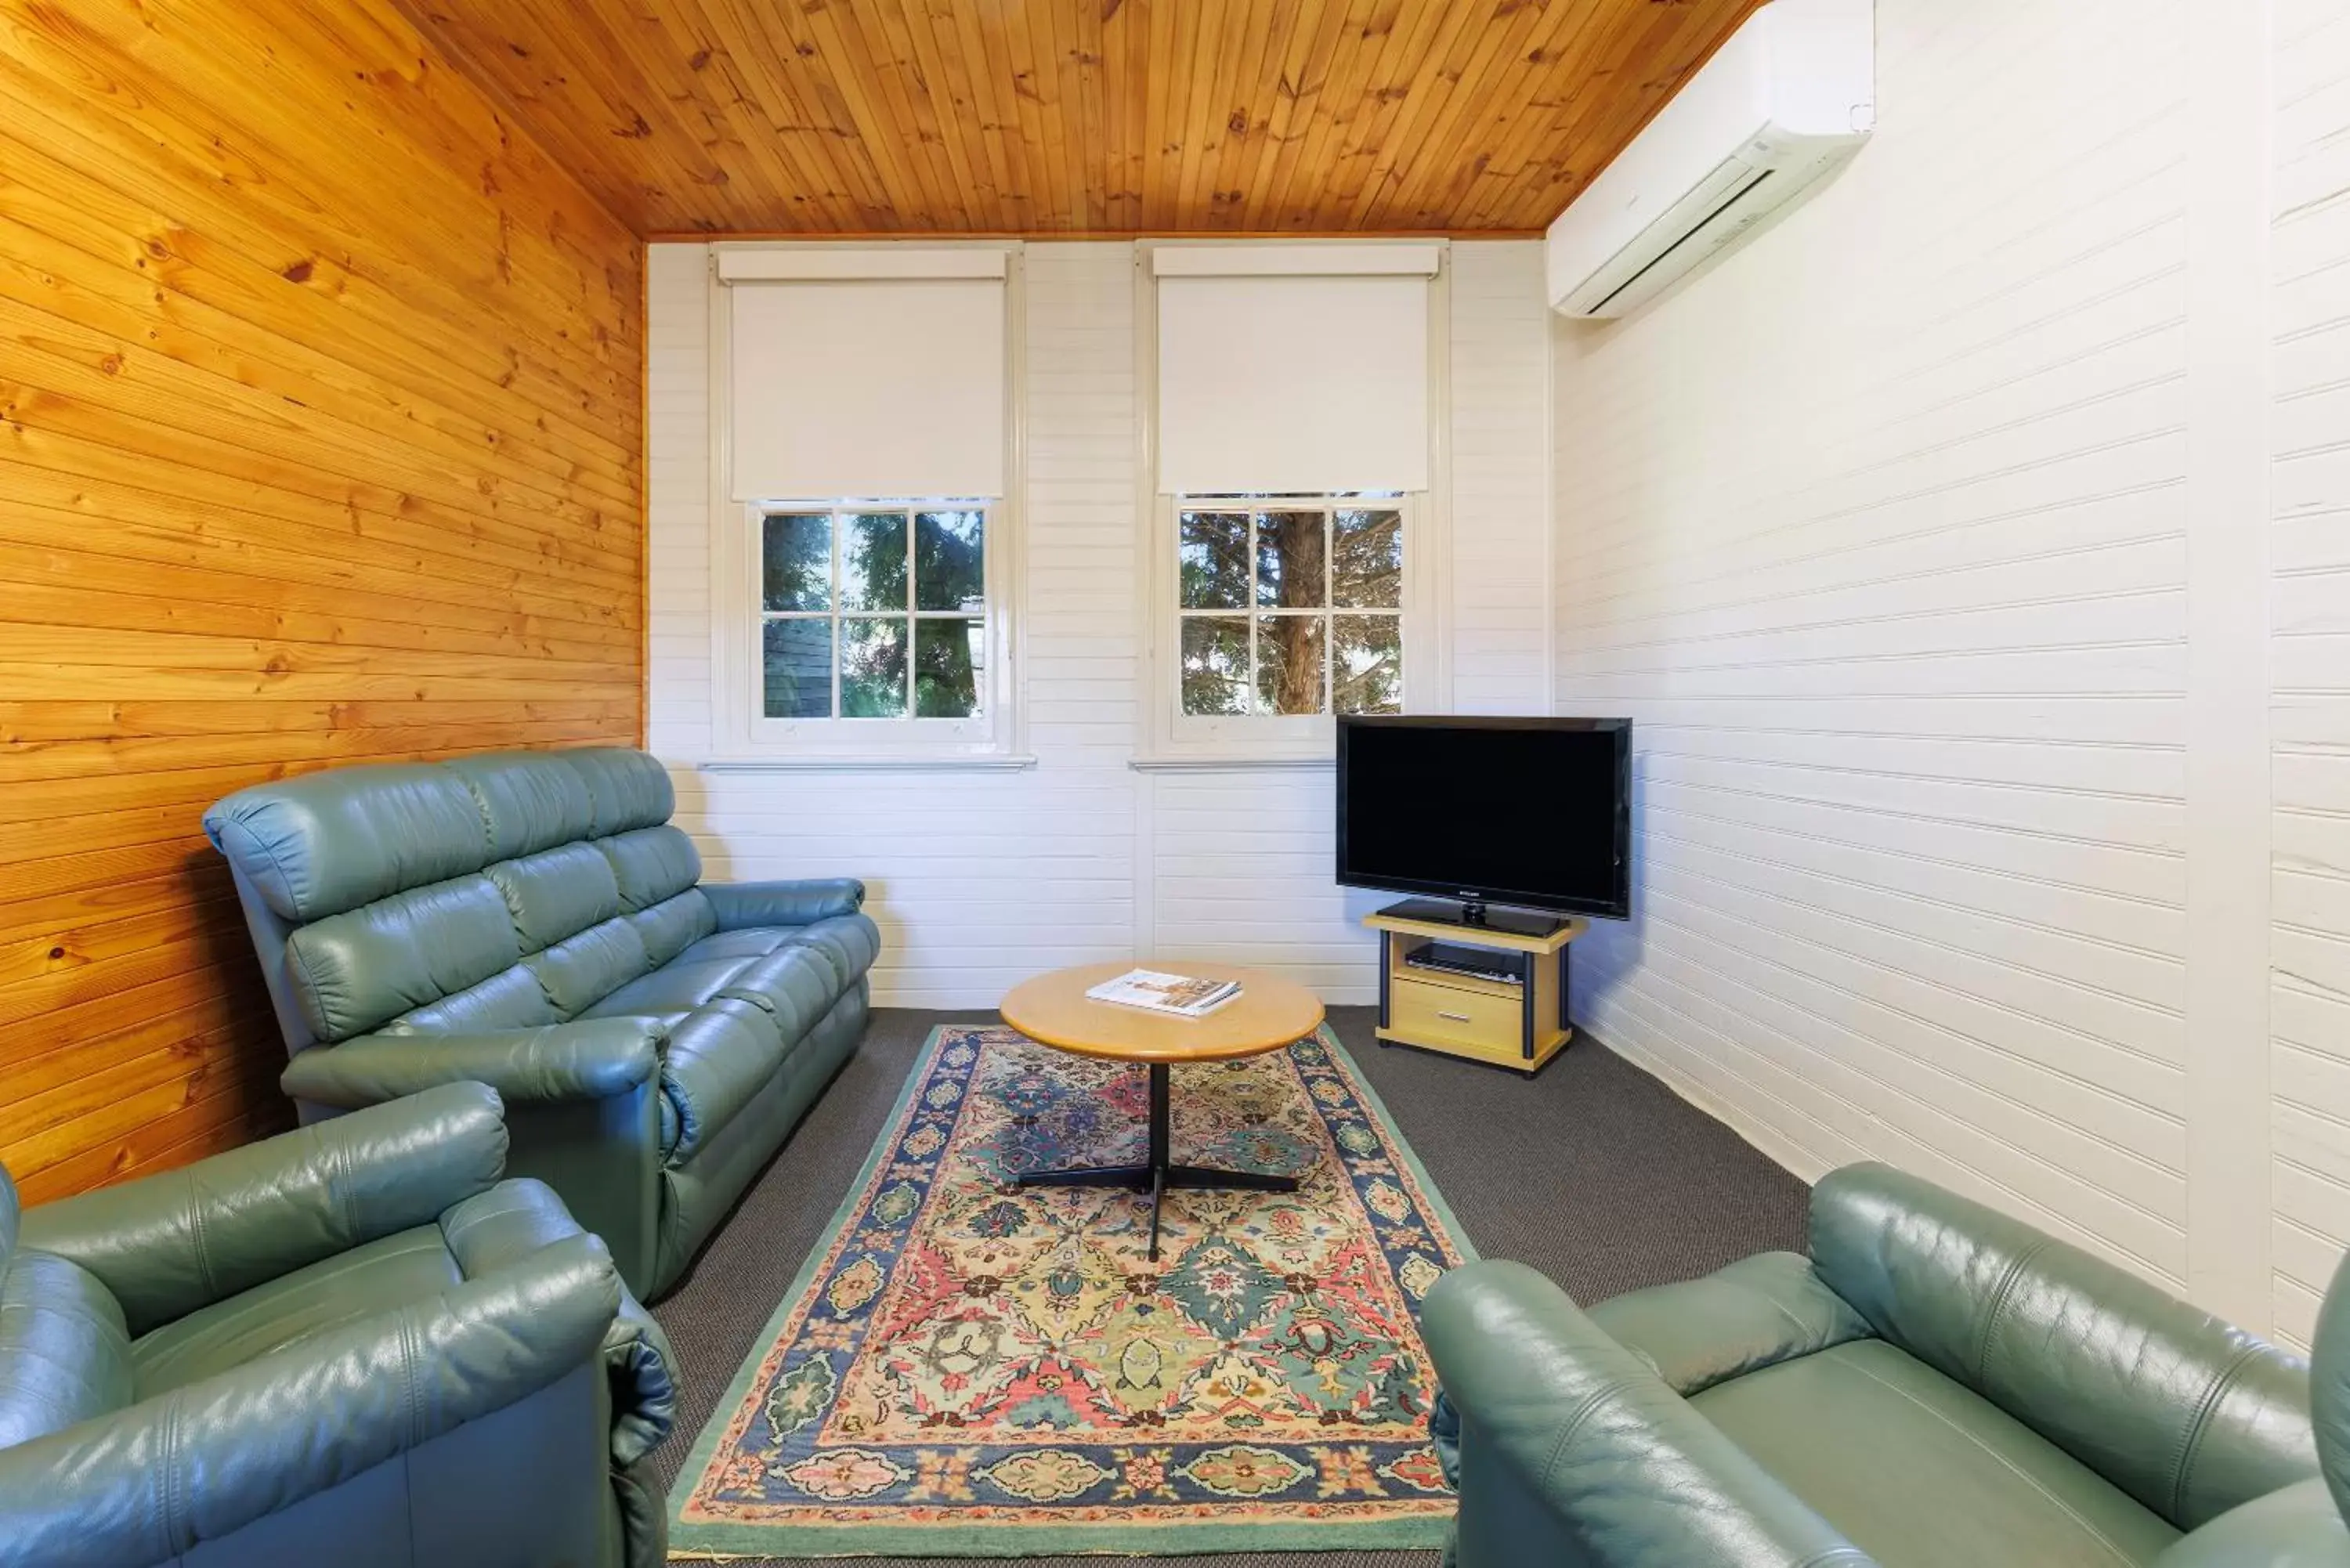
(1456, 958)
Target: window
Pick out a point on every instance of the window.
(864, 486)
(1290, 606)
(1294, 408)
(872, 610)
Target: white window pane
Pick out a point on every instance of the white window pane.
(949, 561)
(873, 561)
(1290, 572)
(796, 668)
(1213, 559)
(1215, 665)
(873, 668)
(795, 562)
(1367, 663)
(949, 667)
(1289, 663)
(1367, 559)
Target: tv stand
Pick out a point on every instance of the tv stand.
(1519, 1023)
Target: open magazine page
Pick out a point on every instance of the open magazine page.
(1185, 996)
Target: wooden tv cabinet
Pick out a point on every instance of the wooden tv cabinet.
(1521, 1023)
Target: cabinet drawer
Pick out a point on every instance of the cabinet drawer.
(1469, 1017)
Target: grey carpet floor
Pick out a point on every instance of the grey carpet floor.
(1594, 1172)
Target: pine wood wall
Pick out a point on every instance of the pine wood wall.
(320, 414)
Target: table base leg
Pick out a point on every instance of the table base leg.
(1160, 1174)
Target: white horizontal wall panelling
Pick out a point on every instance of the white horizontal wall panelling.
(1877, 529)
(2309, 322)
(2228, 810)
(1500, 480)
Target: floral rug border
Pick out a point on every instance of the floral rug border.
(1336, 1527)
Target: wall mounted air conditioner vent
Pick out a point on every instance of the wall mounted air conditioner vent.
(1789, 96)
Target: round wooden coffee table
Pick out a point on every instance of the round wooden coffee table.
(1270, 1014)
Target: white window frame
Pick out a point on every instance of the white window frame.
(1172, 739)
(744, 736)
(1307, 733)
(978, 729)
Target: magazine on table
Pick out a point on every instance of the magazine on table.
(1181, 995)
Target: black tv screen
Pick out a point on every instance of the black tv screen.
(1531, 812)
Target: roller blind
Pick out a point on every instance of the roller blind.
(867, 386)
(1293, 382)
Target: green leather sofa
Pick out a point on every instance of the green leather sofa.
(531, 920)
(1936, 1386)
(354, 1344)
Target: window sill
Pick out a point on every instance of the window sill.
(1230, 762)
(995, 762)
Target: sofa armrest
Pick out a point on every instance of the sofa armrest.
(2184, 1412)
(592, 1059)
(741, 904)
(1574, 1451)
(167, 1244)
(515, 1220)
(150, 1482)
(1758, 1312)
(2296, 1527)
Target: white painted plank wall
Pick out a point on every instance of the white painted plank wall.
(980, 880)
(1876, 530)
(2309, 1002)
(1499, 553)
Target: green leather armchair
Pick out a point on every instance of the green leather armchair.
(534, 921)
(352, 1343)
(1936, 1386)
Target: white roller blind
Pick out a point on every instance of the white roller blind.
(868, 387)
(1293, 383)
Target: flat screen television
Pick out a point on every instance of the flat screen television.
(1534, 812)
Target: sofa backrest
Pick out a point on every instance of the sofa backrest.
(2188, 1414)
(501, 891)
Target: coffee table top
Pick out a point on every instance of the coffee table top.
(1269, 1013)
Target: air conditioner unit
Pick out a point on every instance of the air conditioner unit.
(1791, 96)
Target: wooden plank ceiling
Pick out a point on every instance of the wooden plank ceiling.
(1103, 117)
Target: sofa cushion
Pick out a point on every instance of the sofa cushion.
(65, 1355)
(510, 999)
(581, 971)
(527, 801)
(556, 892)
(630, 788)
(651, 865)
(1920, 1471)
(675, 987)
(669, 928)
(849, 942)
(755, 941)
(405, 1266)
(327, 842)
(364, 968)
(796, 985)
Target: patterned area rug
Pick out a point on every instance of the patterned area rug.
(971, 1369)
